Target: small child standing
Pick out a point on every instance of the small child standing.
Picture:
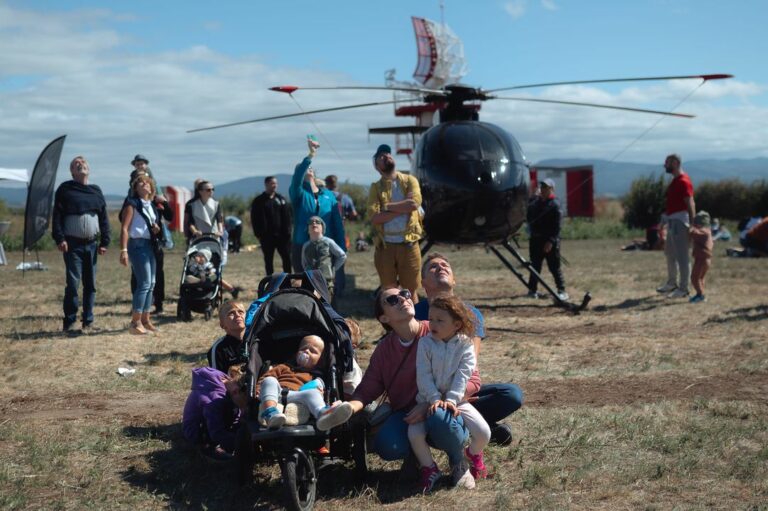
(321, 252)
(201, 270)
(303, 387)
(445, 360)
(701, 237)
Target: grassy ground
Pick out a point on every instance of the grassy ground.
(639, 402)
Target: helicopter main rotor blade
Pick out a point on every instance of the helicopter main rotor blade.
(290, 89)
(298, 114)
(596, 105)
(614, 80)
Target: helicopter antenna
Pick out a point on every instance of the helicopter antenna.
(442, 13)
(327, 141)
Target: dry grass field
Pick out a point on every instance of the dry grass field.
(638, 403)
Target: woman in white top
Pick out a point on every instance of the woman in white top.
(202, 215)
(140, 224)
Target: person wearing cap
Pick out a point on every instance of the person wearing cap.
(393, 207)
(271, 222)
(544, 220)
(679, 213)
(322, 253)
(141, 167)
(80, 228)
(310, 200)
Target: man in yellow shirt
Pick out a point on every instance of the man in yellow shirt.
(393, 207)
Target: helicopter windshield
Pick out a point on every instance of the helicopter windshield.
(466, 153)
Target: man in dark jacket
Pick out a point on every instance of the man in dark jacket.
(544, 219)
(80, 228)
(271, 222)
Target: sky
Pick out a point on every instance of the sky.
(120, 78)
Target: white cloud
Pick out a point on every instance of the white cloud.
(113, 103)
(549, 5)
(516, 8)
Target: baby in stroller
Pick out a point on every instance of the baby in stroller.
(200, 269)
(302, 386)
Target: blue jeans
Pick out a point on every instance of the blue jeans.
(496, 401)
(80, 262)
(444, 432)
(142, 257)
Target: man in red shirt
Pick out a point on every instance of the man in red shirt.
(679, 213)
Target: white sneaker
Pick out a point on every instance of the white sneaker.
(532, 294)
(334, 416)
(678, 293)
(461, 477)
(666, 288)
(563, 296)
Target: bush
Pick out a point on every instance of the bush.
(732, 199)
(359, 195)
(644, 203)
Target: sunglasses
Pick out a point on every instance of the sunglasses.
(315, 222)
(207, 189)
(393, 299)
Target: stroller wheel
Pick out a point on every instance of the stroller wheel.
(300, 480)
(359, 452)
(208, 314)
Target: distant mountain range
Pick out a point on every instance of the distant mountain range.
(611, 178)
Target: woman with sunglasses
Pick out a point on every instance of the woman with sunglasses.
(392, 372)
(202, 215)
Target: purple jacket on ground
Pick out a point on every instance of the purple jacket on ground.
(209, 415)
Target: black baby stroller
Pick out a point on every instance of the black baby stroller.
(205, 296)
(286, 316)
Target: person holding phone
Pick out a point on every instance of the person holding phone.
(309, 200)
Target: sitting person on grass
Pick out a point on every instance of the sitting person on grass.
(213, 410)
(229, 350)
(304, 386)
(202, 270)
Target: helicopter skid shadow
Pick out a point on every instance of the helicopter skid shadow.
(643, 304)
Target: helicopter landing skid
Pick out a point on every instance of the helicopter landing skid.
(570, 306)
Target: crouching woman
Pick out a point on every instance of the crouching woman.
(392, 373)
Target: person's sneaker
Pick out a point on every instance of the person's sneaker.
(273, 418)
(532, 294)
(461, 477)
(332, 416)
(562, 295)
(698, 299)
(429, 478)
(501, 434)
(236, 292)
(476, 465)
(90, 328)
(666, 288)
(71, 331)
(678, 293)
(158, 310)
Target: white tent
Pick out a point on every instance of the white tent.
(14, 175)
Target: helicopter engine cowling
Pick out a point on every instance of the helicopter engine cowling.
(474, 182)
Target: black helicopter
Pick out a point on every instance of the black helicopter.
(474, 178)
